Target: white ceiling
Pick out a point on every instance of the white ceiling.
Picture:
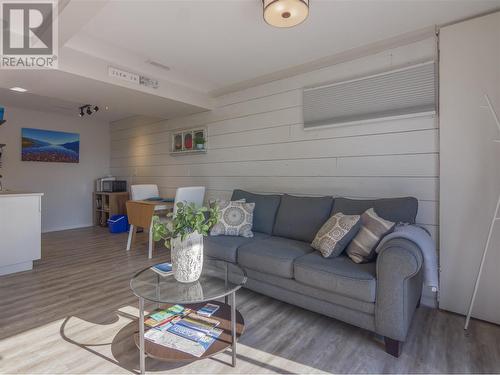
(212, 44)
(62, 92)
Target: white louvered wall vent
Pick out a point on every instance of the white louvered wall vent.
(402, 92)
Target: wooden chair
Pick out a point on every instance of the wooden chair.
(140, 215)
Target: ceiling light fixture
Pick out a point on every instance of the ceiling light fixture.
(18, 89)
(285, 13)
(88, 109)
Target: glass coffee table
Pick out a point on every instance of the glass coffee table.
(218, 279)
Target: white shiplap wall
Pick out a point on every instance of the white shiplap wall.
(257, 142)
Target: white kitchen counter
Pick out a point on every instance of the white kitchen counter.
(20, 230)
(14, 193)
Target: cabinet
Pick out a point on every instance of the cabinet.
(469, 159)
(20, 231)
(107, 205)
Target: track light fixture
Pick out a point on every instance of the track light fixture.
(87, 108)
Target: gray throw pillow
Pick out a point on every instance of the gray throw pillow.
(236, 219)
(335, 234)
(373, 228)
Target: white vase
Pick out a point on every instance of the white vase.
(187, 257)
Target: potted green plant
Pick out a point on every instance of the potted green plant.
(199, 141)
(183, 234)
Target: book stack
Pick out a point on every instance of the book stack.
(182, 329)
(163, 269)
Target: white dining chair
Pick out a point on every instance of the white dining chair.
(190, 194)
(144, 191)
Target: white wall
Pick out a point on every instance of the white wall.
(470, 177)
(257, 142)
(68, 188)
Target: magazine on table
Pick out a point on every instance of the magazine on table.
(208, 310)
(198, 322)
(182, 329)
(163, 269)
(174, 341)
(163, 316)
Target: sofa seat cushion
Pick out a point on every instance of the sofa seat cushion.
(274, 255)
(338, 275)
(226, 247)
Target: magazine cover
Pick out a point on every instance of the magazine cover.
(176, 342)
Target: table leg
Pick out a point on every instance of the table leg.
(226, 281)
(142, 357)
(157, 290)
(233, 327)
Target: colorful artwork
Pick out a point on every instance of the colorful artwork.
(193, 140)
(50, 146)
(178, 142)
(188, 141)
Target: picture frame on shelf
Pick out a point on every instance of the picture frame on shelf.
(187, 144)
(199, 140)
(177, 142)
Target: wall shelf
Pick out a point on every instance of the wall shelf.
(188, 152)
(184, 141)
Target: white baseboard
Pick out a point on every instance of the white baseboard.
(66, 227)
(18, 267)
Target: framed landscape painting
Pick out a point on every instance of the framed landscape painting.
(50, 146)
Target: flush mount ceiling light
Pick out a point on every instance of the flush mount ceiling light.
(285, 13)
(18, 89)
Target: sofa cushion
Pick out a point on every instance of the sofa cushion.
(393, 209)
(236, 219)
(300, 218)
(373, 228)
(226, 247)
(266, 207)
(338, 275)
(274, 255)
(335, 234)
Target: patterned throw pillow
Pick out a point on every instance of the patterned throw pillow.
(236, 219)
(335, 234)
(373, 228)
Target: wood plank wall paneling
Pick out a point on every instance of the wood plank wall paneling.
(257, 142)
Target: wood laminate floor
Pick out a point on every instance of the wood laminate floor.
(75, 313)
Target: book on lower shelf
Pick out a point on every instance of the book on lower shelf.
(163, 316)
(185, 331)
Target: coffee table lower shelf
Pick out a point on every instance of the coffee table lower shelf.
(224, 341)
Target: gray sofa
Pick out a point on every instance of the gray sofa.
(380, 296)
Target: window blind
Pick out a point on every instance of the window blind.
(405, 91)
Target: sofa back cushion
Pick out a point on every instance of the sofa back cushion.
(393, 209)
(266, 207)
(300, 218)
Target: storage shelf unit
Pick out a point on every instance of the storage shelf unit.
(107, 205)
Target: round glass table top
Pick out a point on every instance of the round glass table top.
(218, 279)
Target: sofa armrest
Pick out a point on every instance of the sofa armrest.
(399, 287)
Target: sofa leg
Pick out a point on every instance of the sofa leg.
(418, 303)
(393, 347)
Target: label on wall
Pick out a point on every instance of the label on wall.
(132, 77)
